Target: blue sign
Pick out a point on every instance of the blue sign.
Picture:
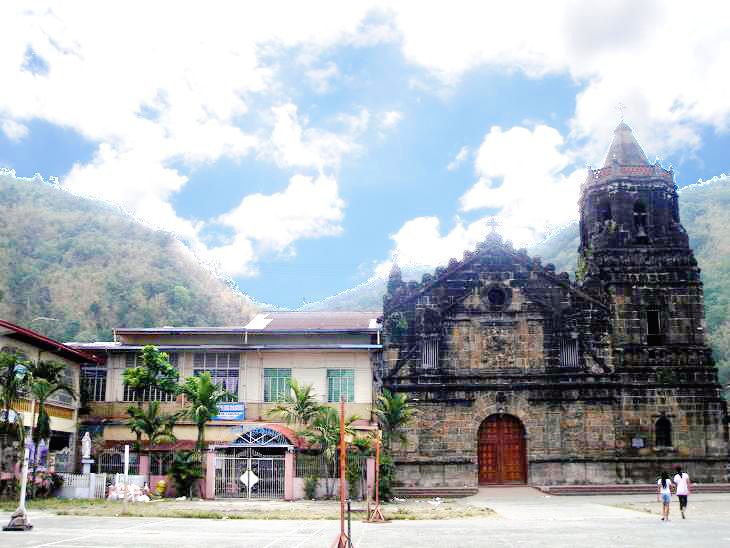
(231, 412)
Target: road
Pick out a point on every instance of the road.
(523, 519)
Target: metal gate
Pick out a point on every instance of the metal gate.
(249, 477)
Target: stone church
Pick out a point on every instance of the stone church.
(520, 375)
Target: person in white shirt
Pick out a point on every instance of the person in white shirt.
(681, 480)
(664, 491)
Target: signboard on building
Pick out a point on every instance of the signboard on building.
(231, 412)
(637, 443)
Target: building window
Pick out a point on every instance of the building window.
(640, 219)
(663, 432)
(94, 382)
(605, 211)
(160, 462)
(654, 336)
(429, 354)
(224, 369)
(340, 382)
(153, 394)
(276, 384)
(569, 352)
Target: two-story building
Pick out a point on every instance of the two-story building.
(63, 409)
(332, 351)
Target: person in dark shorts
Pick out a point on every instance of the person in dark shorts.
(681, 480)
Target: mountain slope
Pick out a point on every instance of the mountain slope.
(74, 268)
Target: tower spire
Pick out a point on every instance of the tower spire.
(625, 149)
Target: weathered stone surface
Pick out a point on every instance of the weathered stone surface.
(588, 367)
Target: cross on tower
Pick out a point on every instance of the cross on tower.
(620, 107)
(493, 224)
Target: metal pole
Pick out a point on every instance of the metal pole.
(343, 541)
(19, 520)
(125, 491)
(349, 523)
(377, 471)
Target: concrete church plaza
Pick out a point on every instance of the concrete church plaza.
(523, 517)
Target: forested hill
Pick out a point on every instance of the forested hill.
(74, 268)
(705, 213)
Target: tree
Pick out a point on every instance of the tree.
(203, 397)
(46, 379)
(156, 372)
(324, 432)
(299, 406)
(394, 413)
(185, 471)
(151, 423)
(13, 386)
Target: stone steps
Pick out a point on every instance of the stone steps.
(628, 489)
(431, 492)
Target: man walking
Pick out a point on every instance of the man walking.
(681, 480)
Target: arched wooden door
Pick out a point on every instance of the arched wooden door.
(502, 451)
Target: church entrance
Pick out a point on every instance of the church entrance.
(502, 451)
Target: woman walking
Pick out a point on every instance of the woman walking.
(664, 492)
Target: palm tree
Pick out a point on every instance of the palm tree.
(394, 413)
(158, 428)
(46, 379)
(299, 405)
(203, 397)
(13, 386)
(324, 432)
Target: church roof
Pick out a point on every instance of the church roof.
(624, 149)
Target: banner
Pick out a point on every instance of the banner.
(231, 412)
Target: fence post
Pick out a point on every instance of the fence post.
(144, 466)
(209, 475)
(370, 475)
(92, 487)
(289, 469)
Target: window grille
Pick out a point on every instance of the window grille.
(429, 354)
(663, 432)
(224, 369)
(340, 382)
(276, 384)
(94, 380)
(160, 462)
(569, 352)
(153, 394)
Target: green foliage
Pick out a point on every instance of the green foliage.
(324, 433)
(155, 372)
(310, 487)
(14, 384)
(394, 413)
(203, 397)
(90, 268)
(155, 426)
(299, 406)
(185, 471)
(386, 478)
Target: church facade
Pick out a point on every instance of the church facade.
(520, 375)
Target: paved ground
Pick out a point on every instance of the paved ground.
(524, 518)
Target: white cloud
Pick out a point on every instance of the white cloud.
(15, 131)
(390, 119)
(294, 145)
(309, 207)
(322, 78)
(526, 183)
(459, 159)
(524, 174)
(664, 60)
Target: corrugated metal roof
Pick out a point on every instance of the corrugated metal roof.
(41, 341)
(315, 321)
(226, 347)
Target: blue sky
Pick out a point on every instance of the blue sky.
(298, 149)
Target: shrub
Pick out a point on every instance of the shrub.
(185, 471)
(310, 487)
(387, 476)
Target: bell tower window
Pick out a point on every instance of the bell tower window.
(640, 219)
(654, 335)
(604, 211)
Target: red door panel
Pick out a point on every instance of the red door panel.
(502, 451)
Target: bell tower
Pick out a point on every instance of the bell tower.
(634, 250)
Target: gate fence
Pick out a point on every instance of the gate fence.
(263, 477)
(317, 465)
(111, 461)
(83, 486)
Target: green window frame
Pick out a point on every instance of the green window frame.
(340, 382)
(276, 384)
